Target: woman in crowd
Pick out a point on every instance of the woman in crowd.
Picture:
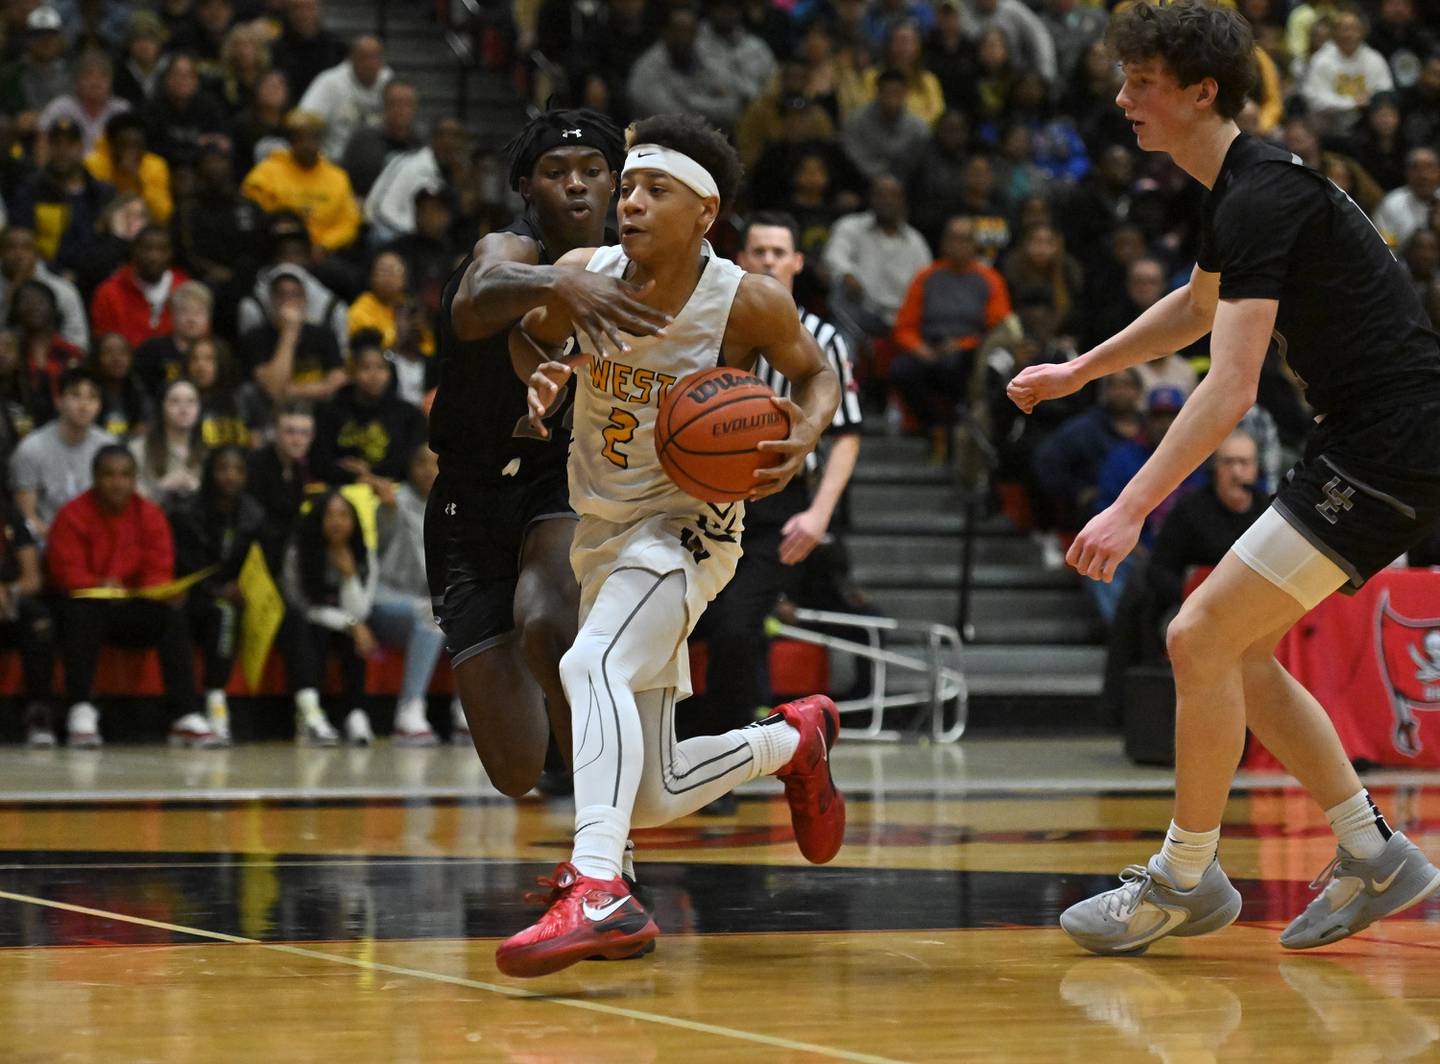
(329, 581)
(125, 408)
(903, 52)
(228, 414)
(244, 60)
(170, 456)
(1039, 271)
(216, 527)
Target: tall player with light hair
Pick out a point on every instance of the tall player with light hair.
(650, 557)
(1283, 254)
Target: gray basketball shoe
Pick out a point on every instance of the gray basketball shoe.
(1146, 907)
(1355, 893)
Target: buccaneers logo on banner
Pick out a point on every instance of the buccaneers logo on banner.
(1409, 653)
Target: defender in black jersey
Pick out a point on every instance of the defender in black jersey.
(498, 523)
(1284, 257)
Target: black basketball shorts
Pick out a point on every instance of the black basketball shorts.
(474, 536)
(1367, 488)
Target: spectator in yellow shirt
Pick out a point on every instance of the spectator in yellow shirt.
(120, 157)
(299, 179)
(923, 96)
(375, 309)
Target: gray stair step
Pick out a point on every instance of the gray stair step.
(881, 548)
(935, 573)
(881, 471)
(899, 498)
(903, 449)
(1009, 621)
(921, 523)
(1027, 659)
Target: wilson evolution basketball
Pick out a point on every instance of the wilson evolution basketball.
(708, 428)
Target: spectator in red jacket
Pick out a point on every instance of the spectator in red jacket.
(110, 537)
(134, 301)
(952, 305)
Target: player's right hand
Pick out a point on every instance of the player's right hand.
(604, 308)
(545, 384)
(1045, 380)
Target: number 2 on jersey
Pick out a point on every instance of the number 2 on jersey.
(620, 430)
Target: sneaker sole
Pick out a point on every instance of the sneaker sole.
(643, 951)
(548, 957)
(1345, 933)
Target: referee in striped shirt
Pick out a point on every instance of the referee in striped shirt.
(782, 529)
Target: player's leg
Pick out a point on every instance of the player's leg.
(630, 634)
(472, 573)
(547, 613)
(792, 743)
(1182, 890)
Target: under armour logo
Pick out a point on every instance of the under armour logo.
(1335, 500)
(449, 509)
(577, 133)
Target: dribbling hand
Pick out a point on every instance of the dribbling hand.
(794, 447)
(545, 384)
(1046, 380)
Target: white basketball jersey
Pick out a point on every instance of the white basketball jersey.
(614, 472)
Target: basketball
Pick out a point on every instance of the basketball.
(708, 429)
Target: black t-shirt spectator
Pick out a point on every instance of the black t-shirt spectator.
(316, 352)
(1349, 321)
(301, 58)
(383, 434)
(1198, 532)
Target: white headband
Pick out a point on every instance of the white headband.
(675, 163)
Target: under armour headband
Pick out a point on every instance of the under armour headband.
(563, 129)
(675, 163)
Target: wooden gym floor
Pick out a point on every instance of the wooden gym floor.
(274, 904)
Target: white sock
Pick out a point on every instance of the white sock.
(216, 705)
(307, 702)
(1186, 854)
(627, 861)
(773, 742)
(600, 835)
(1359, 825)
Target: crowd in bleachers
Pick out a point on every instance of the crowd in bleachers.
(225, 237)
(224, 241)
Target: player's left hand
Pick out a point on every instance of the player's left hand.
(545, 385)
(801, 535)
(1105, 541)
(793, 449)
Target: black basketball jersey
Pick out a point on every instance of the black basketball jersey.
(1349, 322)
(478, 425)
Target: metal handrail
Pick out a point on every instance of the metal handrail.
(946, 682)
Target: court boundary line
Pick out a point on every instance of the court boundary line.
(516, 993)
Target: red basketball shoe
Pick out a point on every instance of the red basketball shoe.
(817, 810)
(584, 917)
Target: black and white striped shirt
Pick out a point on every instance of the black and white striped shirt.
(847, 415)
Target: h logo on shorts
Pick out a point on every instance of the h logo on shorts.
(1335, 500)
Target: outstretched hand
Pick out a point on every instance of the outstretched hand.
(604, 308)
(1045, 380)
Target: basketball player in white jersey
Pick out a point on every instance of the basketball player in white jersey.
(650, 557)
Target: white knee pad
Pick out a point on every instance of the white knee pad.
(1281, 554)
